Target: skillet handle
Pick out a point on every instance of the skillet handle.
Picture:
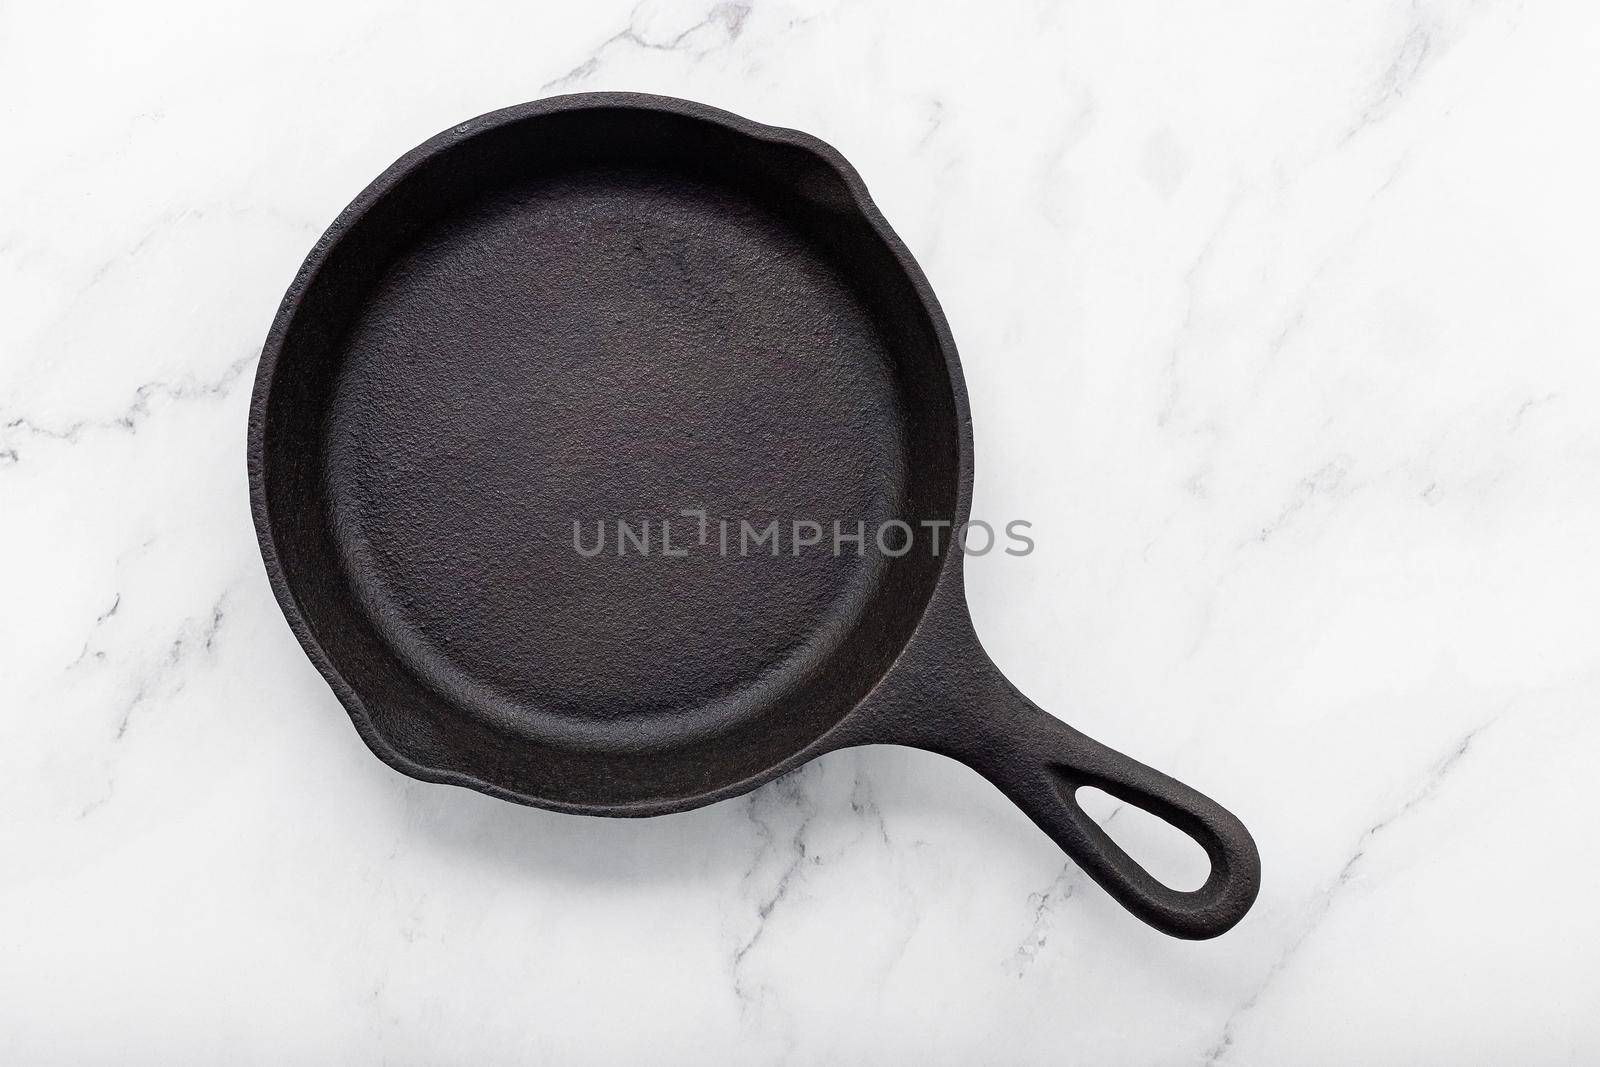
(1040, 762)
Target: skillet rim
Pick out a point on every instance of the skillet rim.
(948, 581)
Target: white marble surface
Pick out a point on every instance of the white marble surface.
(1279, 320)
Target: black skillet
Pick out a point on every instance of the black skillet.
(612, 307)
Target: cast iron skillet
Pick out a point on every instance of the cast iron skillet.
(612, 306)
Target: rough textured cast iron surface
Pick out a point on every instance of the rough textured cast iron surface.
(612, 306)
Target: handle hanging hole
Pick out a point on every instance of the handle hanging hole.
(1172, 857)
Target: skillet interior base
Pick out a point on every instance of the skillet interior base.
(603, 346)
